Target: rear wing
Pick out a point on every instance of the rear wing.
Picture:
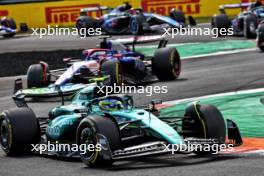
(222, 8)
(84, 11)
(143, 39)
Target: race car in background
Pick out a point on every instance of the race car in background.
(114, 62)
(114, 129)
(244, 24)
(7, 27)
(125, 19)
(260, 36)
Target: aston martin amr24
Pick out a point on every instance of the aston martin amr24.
(116, 128)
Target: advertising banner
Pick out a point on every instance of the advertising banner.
(64, 13)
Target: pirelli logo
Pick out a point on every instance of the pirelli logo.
(163, 7)
(3, 13)
(65, 14)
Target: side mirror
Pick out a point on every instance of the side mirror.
(262, 100)
(153, 109)
(155, 102)
(84, 71)
(60, 92)
(23, 27)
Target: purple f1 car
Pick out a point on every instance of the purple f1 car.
(125, 19)
(115, 61)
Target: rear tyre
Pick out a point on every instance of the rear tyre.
(135, 25)
(9, 22)
(19, 128)
(92, 130)
(250, 26)
(114, 69)
(38, 76)
(260, 36)
(166, 64)
(178, 16)
(205, 122)
(83, 23)
(220, 21)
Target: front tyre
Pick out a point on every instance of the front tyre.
(135, 25)
(204, 122)
(101, 132)
(250, 26)
(114, 69)
(166, 64)
(38, 75)
(220, 21)
(84, 23)
(19, 128)
(260, 36)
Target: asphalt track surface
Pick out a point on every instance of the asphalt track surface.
(28, 42)
(200, 76)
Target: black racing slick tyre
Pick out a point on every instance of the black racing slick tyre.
(10, 23)
(250, 26)
(113, 68)
(260, 36)
(101, 132)
(204, 122)
(38, 75)
(178, 16)
(83, 23)
(136, 25)
(19, 128)
(166, 64)
(220, 21)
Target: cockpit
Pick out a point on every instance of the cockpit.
(112, 103)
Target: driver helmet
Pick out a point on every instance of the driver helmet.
(110, 105)
(133, 11)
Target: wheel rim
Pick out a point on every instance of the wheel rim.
(5, 136)
(88, 137)
(134, 26)
(80, 24)
(252, 27)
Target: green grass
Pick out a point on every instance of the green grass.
(244, 109)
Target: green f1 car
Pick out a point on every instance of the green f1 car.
(116, 128)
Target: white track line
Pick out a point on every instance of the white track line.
(173, 102)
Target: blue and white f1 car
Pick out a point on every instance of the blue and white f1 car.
(245, 23)
(125, 19)
(7, 27)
